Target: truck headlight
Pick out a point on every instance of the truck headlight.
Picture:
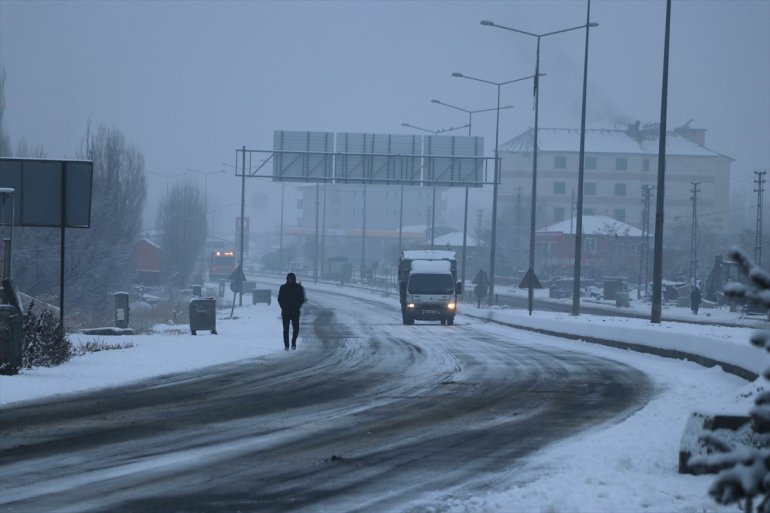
(410, 305)
(451, 306)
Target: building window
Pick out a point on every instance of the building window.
(590, 163)
(560, 162)
(559, 188)
(558, 214)
(645, 164)
(619, 214)
(589, 188)
(621, 164)
(620, 189)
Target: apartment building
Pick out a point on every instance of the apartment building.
(619, 163)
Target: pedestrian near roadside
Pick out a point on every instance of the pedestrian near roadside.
(291, 297)
(482, 286)
(695, 299)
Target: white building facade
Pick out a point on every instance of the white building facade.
(619, 164)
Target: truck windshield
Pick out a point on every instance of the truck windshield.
(431, 284)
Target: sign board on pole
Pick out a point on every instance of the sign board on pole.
(302, 156)
(42, 185)
(530, 280)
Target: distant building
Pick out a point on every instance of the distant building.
(341, 206)
(340, 220)
(148, 257)
(618, 164)
(610, 248)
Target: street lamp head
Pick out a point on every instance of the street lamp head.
(458, 75)
(435, 101)
(593, 24)
(404, 124)
(488, 23)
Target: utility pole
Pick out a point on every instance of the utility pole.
(694, 234)
(479, 215)
(644, 255)
(760, 181)
(428, 226)
(315, 244)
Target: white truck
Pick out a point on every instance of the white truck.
(428, 286)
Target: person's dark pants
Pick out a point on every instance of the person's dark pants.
(293, 318)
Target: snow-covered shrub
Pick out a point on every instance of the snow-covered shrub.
(96, 345)
(45, 343)
(745, 473)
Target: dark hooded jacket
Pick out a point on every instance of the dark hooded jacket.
(291, 295)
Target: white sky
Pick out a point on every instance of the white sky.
(634, 470)
(189, 82)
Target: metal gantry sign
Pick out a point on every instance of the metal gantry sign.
(317, 157)
(366, 159)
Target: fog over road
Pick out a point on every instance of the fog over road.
(367, 415)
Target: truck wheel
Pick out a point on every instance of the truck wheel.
(443, 321)
(450, 321)
(409, 321)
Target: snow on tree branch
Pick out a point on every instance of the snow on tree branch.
(745, 471)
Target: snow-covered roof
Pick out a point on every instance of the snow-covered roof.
(150, 242)
(594, 225)
(431, 266)
(428, 254)
(604, 141)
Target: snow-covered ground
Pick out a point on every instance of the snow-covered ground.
(629, 466)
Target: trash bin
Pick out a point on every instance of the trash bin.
(11, 339)
(196, 290)
(260, 296)
(621, 299)
(203, 315)
(121, 309)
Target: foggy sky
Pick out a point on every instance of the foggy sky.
(189, 82)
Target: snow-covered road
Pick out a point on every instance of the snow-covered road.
(370, 415)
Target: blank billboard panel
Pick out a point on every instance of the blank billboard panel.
(38, 198)
(302, 156)
(453, 160)
(377, 158)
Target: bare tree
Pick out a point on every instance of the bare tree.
(99, 260)
(182, 225)
(25, 151)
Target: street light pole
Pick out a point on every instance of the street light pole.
(531, 270)
(496, 176)
(581, 171)
(465, 215)
(657, 262)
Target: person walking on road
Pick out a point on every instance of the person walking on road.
(291, 297)
(482, 286)
(695, 299)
